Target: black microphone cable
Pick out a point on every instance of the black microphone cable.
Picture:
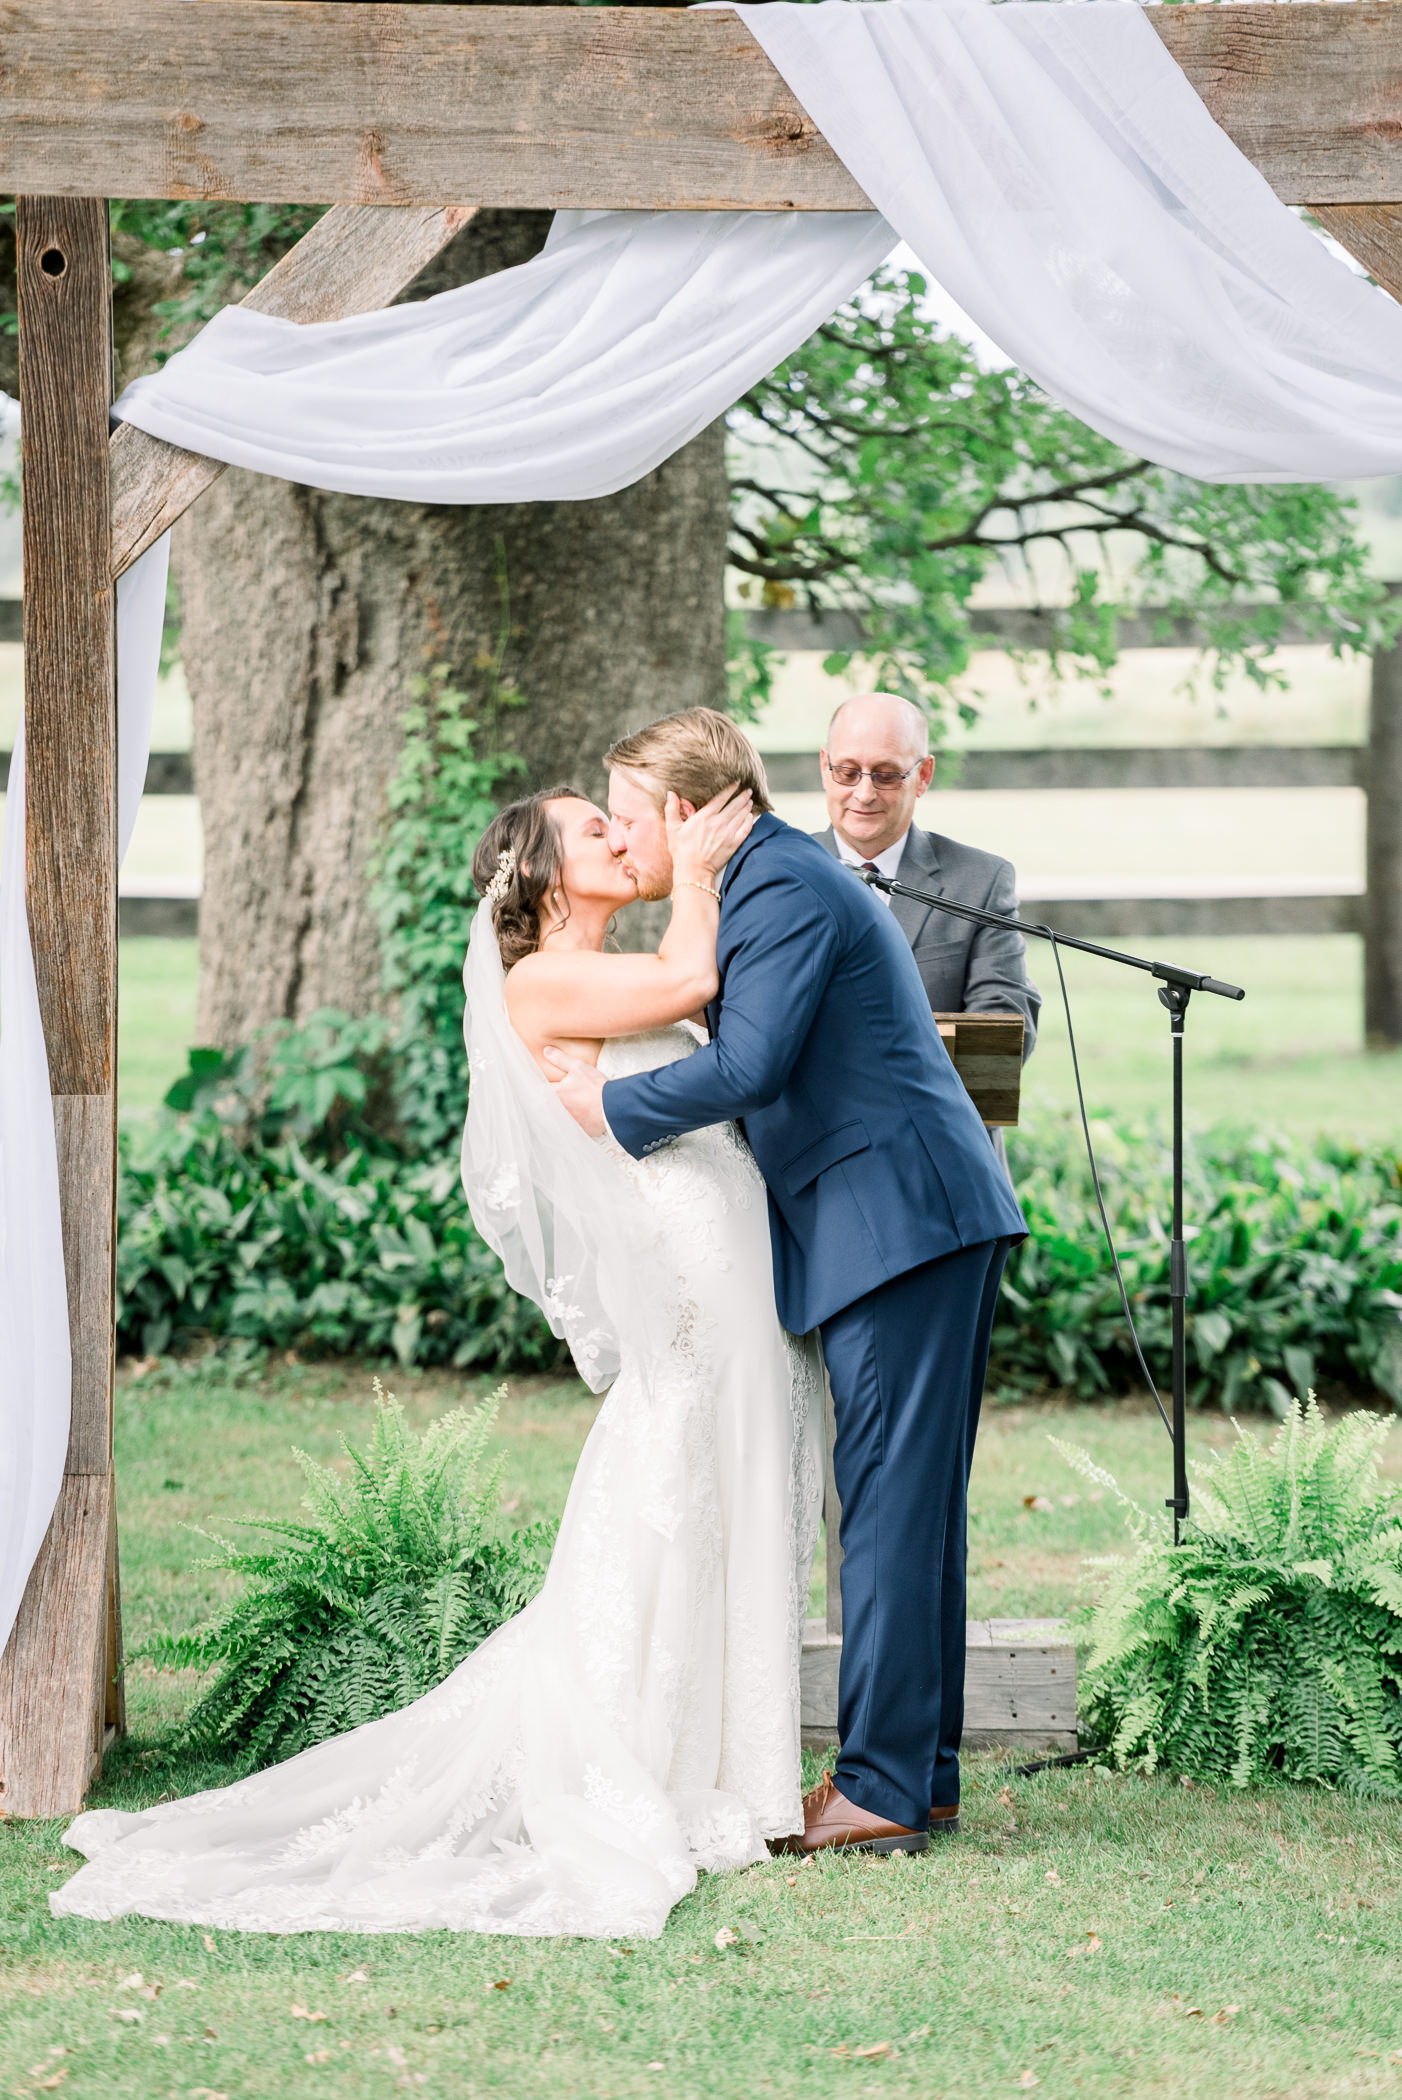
(1095, 1179)
(1049, 933)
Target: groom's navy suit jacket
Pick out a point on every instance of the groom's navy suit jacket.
(823, 1048)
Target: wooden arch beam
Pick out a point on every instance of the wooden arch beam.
(317, 101)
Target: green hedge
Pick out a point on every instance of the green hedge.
(1296, 1260)
(371, 1254)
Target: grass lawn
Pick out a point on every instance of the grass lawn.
(155, 1017)
(1088, 1934)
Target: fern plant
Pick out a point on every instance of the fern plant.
(1269, 1642)
(368, 1606)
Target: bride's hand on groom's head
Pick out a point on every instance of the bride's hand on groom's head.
(703, 840)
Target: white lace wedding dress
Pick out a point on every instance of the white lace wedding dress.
(639, 1721)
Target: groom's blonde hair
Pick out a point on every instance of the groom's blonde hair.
(694, 754)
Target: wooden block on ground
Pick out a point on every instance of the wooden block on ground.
(1019, 1685)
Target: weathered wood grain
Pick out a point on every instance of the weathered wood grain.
(1019, 1685)
(65, 307)
(1372, 232)
(85, 1126)
(315, 101)
(53, 1693)
(55, 1696)
(1312, 94)
(355, 260)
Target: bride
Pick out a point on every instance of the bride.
(638, 1722)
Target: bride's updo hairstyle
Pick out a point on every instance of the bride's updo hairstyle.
(517, 864)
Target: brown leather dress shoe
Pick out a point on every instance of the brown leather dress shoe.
(944, 1822)
(832, 1823)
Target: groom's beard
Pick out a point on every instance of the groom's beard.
(652, 887)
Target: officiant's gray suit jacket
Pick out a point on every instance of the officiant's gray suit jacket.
(964, 968)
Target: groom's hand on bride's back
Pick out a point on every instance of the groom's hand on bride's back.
(580, 1087)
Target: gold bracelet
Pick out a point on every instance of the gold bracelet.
(698, 886)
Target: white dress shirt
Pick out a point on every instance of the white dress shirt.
(885, 863)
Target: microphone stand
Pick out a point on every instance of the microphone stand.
(1176, 987)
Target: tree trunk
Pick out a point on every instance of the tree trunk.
(1382, 921)
(306, 619)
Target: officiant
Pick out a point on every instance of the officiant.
(876, 767)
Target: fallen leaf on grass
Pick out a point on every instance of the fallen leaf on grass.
(1091, 1944)
(209, 1943)
(726, 1937)
(46, 2085)
(1004, 1800)
(1189, 2012)
(654, 2067)
(1027, 2079)
(211, 2034)
(183, 1983)
(1037, 1502)
(318, 2056)
(1053, 1877)
(126, 2012)
(503, 1983)
(356, 1976)
(300, 2012)
(1228, 2012)
(160, 2041)
(872, 2051)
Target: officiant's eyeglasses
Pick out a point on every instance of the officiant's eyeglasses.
(882, 778)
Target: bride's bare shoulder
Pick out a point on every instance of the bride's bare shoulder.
(536, 977)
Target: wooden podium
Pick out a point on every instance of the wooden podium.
(987, 1054)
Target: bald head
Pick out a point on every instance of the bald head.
(882, 744)
(899, 724)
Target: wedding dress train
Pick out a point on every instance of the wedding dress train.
(635, 1724)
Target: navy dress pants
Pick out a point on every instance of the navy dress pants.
(907, 1365)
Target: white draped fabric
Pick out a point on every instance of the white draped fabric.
(1051, 168)
(1058, 177)
(35, 1394)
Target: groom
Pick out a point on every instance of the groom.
(890, 1220)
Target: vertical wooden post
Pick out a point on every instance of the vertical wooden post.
(1382, 909)
(58, 1689)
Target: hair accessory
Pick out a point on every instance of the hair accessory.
(501, 881)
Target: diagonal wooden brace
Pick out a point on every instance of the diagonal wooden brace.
(355, 260)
